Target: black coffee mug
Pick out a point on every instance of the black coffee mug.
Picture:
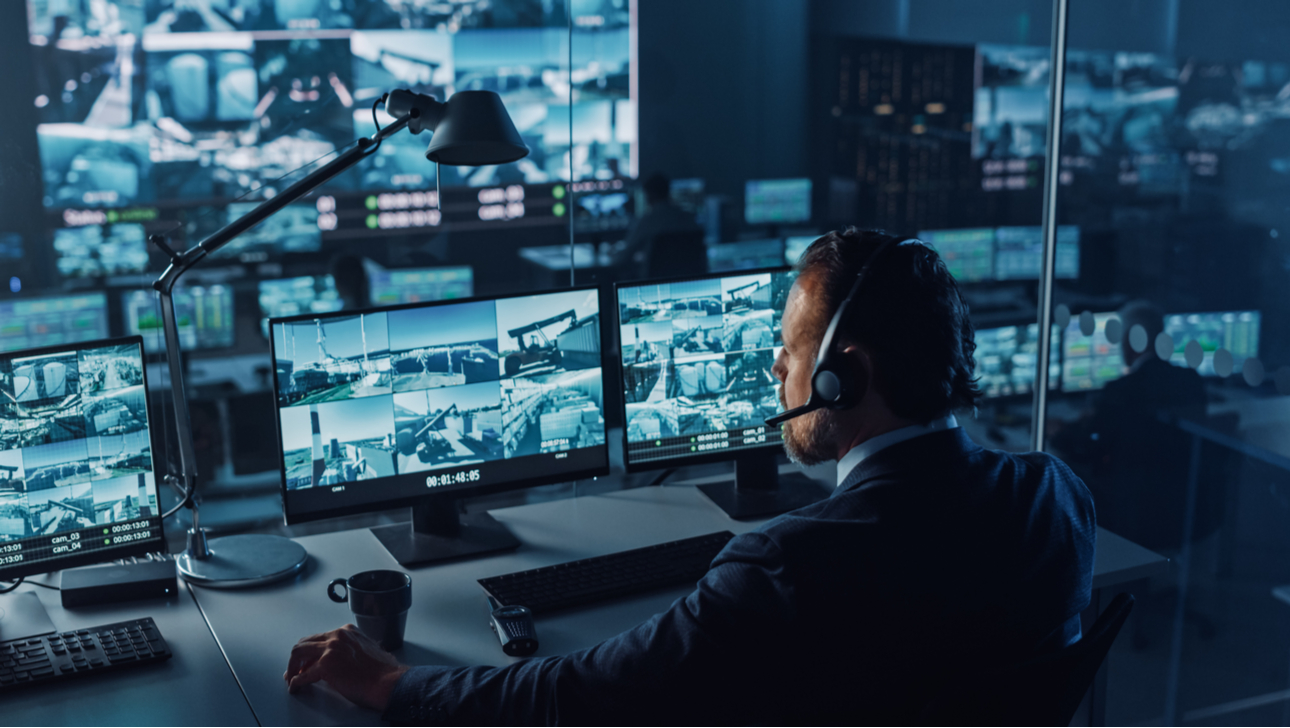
(380, 601)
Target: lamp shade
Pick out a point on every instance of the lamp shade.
(475, 130)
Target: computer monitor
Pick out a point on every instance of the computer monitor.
(1007, 360)
(28, 323)
(101, 250)
(415, 285)
(420, 404)
(1019, 253)
(697, 383)
(1089, 362)
(77, 482)
(968, 253)
(687, 194)
(1236, 331)
(777, 201)
(795, 246)
(292, 296)
(746, 255)
(204, 315)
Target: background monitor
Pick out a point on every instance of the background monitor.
(77, 476)
(28, 323)
(420, 404)
(204, 315)
(746, 255)
(1007, 359)
(795, 246)
(292, 296)
(968, 253)
(1236, 331)
(1089, 362)
(101, 250)
(1019, 252)
(777, 201)
(414, 285)
(687, 194)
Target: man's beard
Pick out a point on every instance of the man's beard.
(811, 438)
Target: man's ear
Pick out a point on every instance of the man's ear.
(862, 369)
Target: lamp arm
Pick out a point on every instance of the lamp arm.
(181, 262)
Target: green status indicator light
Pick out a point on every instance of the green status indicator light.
(112, 216)
(558, 192)
(373, 222)
(558, 210)
(370, 202)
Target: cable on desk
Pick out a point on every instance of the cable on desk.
(663, 476)
(14, 585)
(47, 586)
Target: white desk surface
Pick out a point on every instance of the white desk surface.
(194, 687)
(448, 621)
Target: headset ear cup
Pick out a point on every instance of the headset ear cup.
(828, 386)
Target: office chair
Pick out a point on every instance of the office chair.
(1045, 691)
(677, 254)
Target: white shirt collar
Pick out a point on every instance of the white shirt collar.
(857, 454)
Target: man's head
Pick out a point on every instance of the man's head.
(350, 277)
(907, 342)
(1152, 320)
(657, 188)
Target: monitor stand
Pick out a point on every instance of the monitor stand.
(22, 615)
(759, 490)
(440, 532)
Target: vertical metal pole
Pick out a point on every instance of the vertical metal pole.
(1052, 178)
(569, 14)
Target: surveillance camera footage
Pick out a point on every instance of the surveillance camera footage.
(75, 450)
(198, 100)
(425, 388)
(697, 358)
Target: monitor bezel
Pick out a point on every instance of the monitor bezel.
(134, 548)
(679, 461)
(471, 491)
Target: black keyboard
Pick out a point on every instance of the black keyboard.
(60, 656)
(586, 581)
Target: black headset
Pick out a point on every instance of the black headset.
(831, 387)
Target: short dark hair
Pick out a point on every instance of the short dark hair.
(657, 187)
(909, 315)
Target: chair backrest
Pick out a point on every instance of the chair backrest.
(1040, 692)
(677, 254)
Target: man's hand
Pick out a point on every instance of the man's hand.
(350, 661)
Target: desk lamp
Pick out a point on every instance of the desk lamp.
(471, 129)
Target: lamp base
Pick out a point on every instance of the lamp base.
(242, 561)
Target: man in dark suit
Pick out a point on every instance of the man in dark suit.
(1136, 462)
(933, 560)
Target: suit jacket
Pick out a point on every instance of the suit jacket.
(1139, 463)
(935, 558)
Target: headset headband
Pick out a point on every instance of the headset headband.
(828, 387)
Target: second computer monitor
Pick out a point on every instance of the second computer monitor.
(697, 357)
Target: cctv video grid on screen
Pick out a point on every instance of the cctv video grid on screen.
(697, 357)
(77, 479)
(391, 404)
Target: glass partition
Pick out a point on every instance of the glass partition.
(1174, 404)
